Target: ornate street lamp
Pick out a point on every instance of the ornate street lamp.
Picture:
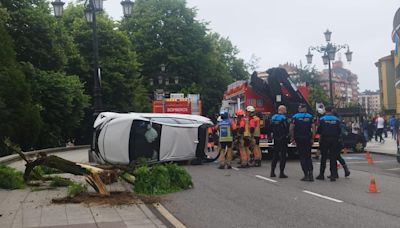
(309, 57)
(127, 6)
(58, 8)
(160, 80)
(98, 5)
(89, 15)
(176, 80)
(325, 59)
(328, 34)
(349, 55)
(328, 52)
(91, 7)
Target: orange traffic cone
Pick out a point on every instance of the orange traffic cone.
(370, 160)
(367, 155)
(372, 186)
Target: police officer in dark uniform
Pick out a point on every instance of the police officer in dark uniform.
(329, 130)
(280, 130)
(302, 130)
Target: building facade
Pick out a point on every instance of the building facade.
(344, 85)
(370, 101)
(387, 81)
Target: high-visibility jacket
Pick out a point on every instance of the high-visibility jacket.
(246, 125)
(225, 130)
(255, 123)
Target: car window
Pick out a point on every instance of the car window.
(144, 140)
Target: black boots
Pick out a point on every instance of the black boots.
(346, 171)
(282, 175)
(308, 176)
(320, 176)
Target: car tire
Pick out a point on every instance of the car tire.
(358, 148)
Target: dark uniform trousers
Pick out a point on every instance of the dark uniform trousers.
(279, 153)
(330, 148)
(304, 148)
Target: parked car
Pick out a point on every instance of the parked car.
(122, 138)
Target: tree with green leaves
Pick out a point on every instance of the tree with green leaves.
(310, 76)
(19, 116)
(166, 32)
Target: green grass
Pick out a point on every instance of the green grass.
(10, 178)
(161, 179)
(44, 170)
(76, 188)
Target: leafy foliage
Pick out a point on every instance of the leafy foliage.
(161, 179)
(10, 178)
(61, 182)
(76, 188)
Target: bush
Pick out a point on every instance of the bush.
(76, 188)
(10, 178)
(60, 182)
(161, 179)
(180, 178)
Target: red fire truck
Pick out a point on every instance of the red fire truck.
(177, 103)
(265, 91)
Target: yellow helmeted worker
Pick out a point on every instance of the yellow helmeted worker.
(255, 129)
(244, 139)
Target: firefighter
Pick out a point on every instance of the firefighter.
(280, 131)
(329, 130)
(226, 128)
(255, 130)
(244, 138)
(302, 130)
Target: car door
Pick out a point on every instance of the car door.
(178, 142)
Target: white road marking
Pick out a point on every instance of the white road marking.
(394, 169)
(267, 179)
(323, 197)
(234, 168)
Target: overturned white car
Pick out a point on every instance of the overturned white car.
(123, 138)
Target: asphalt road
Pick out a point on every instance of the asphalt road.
(244, 198)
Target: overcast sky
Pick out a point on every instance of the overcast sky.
(280, 31)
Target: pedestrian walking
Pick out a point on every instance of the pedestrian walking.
(302, 130)
(329, 130)
(255, 131)
(226, 129)
(280, 130)
(380, 124)
(392, 123)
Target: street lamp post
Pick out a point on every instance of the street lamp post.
(91, 7)
(328, 52)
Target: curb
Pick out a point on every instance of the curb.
(15, 157)
(383, 153)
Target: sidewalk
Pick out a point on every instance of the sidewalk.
(388, 148)
(26, 208)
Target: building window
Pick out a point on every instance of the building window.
(260, 102)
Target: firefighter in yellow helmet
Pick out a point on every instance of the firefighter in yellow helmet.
(254, 129)
(242, 124)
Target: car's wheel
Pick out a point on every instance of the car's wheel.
(211, 156)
